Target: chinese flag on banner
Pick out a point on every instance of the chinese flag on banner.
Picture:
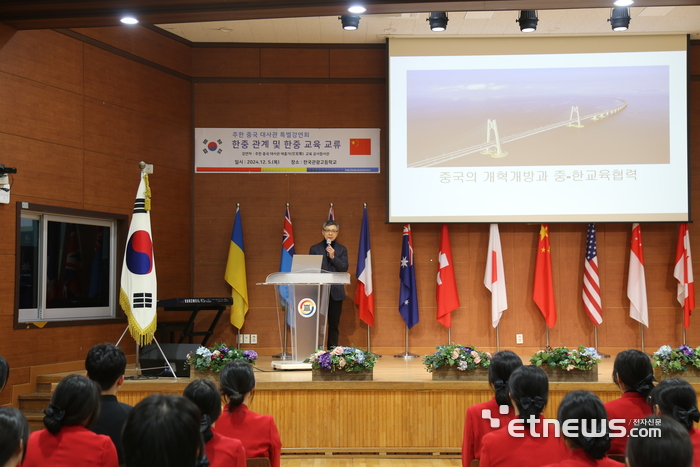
(361, 147)
(447, 297)
(543, 292)
(684, 273)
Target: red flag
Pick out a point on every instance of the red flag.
(591, 280)
(543, 292)
(636, 279)
(446, 291)
(361, 147)
(684, 273)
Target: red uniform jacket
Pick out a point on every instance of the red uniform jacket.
(475, 427)
(258, 433)
(225, 452)
(73, 446)
(695, 439)
(580, 459)
(630, 407)
(500, 449)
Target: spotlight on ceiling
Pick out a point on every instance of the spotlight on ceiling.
(438, 21)
(350, 22)
(360, 9)
(129, 20)
(623, 2)
(620, 18)
(528, 20)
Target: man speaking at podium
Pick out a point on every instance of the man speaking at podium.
(335, 259)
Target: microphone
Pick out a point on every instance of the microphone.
(328, 243)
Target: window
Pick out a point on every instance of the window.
(66, 264)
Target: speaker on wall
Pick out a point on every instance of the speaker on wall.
(152, 361)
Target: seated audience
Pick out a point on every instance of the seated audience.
(671, 449)
(163, 430)
(475, 426)
(587, 434)
(4, 373)
(258, 433)
(14, 434)
(221, 451)
(676, 398)
(105, 365)
(633, 374)
(527, 441)
(65, 441)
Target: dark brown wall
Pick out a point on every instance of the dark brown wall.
(75, 120)
(271, 88)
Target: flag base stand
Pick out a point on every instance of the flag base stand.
(369, 344)
(139, 375)
(406, 354)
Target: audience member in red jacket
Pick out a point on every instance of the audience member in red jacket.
(527, 441)
(65, 441)
(258, 433)
(475, 424)
(582, 413)
(14, 434)
(633, 374)
(676, 398)
(163, 430)
(671, 448)
(221, 450)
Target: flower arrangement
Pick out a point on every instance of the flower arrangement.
(466, 358)
(216, 357)
(582, 358)
(676, 359)
(342, 359)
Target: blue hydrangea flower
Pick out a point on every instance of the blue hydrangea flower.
(348, 350)
(359, 356)
(204, 352)
(591, 352)
(664, 351)
(251, 355)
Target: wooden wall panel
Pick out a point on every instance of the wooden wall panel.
(294, 63)
(234, 62)
(246, 105)
(6, 33)
(358, 63)
(144, 43)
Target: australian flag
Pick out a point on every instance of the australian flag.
(408, 295)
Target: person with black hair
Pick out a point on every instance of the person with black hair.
(14, 434)
(584, 424)
(164, 430)
(503, 363)
(258, 433)
(527, 441)
(221, 450)
(676, 398)
(106, 364)
(4, 373)
(65, 441)
(671, 449)
(633, 374)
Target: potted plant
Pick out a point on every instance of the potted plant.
(683, 362)
(207, 362)
(342, 363)
(562, 364)
(457, 361)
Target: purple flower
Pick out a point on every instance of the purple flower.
(251, 355)
(324, 361)
(467, 350)
(686, 350)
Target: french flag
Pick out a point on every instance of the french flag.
(364, 293)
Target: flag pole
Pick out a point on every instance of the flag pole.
(547, 334)
(449, 336)
(595, 334)
(641, 325)
(406, 353)
(684, 336)
(498, 338)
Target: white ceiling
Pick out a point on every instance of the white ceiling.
(374, 29)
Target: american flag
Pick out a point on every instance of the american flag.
(591, 281)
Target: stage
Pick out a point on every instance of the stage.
(402, 413)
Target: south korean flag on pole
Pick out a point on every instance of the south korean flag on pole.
(138, 293)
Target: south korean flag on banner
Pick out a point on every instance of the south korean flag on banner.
(138, 293)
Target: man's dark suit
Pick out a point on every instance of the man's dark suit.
(335, 304)
(111, 421)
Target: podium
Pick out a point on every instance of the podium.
(304, 296)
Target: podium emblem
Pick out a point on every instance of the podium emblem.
(306, 307)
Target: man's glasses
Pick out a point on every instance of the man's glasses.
(330, 231)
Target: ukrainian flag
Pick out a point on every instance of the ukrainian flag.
(235, 273)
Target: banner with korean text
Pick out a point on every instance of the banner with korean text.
(281, 150)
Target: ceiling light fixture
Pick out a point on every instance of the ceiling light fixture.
(620, 18)
(438, 21)
(349, 22)
(527, 20)
(129, 20)
(356, 9)
(623, 2)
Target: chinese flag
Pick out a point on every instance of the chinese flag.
(361, 147)
(543, 292)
